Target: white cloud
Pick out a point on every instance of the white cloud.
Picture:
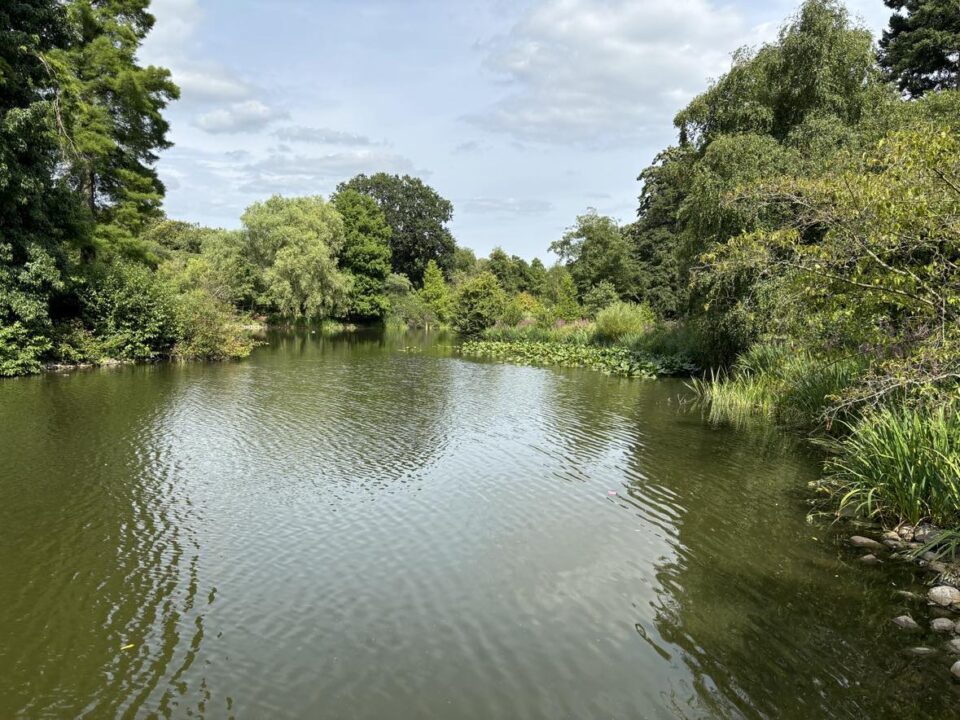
(601, 72)
(320, 136)
(247, 116)
(288, 173)
(172, 44)
(505, 206)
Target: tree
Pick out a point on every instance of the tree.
(365, 255)
(109, 116)
(417, 216)
(921, 48)
(480, 301)
(435, 294)
(295, 242)
(598, 297)
(595, 250)
(562, 293)
(40, 222)
(862, 272)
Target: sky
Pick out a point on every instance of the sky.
(523, 113)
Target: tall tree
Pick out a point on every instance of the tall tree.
(595, 250)
(921, 48)
(296, 242)
(418, 218)
(110, 117)
(365, 255)
(39, 221)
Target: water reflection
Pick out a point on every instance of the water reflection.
(370, 526)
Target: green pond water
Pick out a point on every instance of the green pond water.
(373, 527)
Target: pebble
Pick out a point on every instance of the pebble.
(942, 625)
(870, 559)
(926, 533)
(906, 622)
(905, 532)
(953, 646)
(864, 542)
(907, 595)
(921, 651)
(891, 535)
(944, 596)
(956, 669)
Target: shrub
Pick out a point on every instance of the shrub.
(901, 463)
(208, 329)
(130, 311)
(623, 318)
(21, 351)
(523, 307)
(480, 301)
(598, 297)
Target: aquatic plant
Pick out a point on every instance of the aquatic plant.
(612, 360)
(901, 463)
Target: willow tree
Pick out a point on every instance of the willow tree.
(295, 242)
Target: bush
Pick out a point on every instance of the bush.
(479, 302)
(900, 463)
(21, 351)
(601, 295)
(74, 344)
(523, 307)
(131, 312)
(209, 329)
(623, 318)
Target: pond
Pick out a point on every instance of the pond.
(372, 527)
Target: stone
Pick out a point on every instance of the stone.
(944, 596)
(956, 669)
(942, 625)
(953, 646)
(870, 559)
(926, 533)
(905, 532)
(864, 542)
(896, 544)
(907, 595)
(930, 556)
(921, 651)
(891, 535)
(906, 622)
(936, 566)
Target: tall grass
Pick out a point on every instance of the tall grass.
(776, 382)
(900, 463)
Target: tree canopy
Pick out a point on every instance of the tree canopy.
(417, 216)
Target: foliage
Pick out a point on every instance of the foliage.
(208, 329)
(365, 255)
(779, 382)
(615, 361)
(622, 318)
(435, 294)
(900, 463)
(130, 311)
(869, 258)
(598, 297)
(594, 251)
(478, 303)
(21, 351)
(417, 216)
(561, 294)
(522, 307)
(920, 48)
(295, 242)
(109, 117)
